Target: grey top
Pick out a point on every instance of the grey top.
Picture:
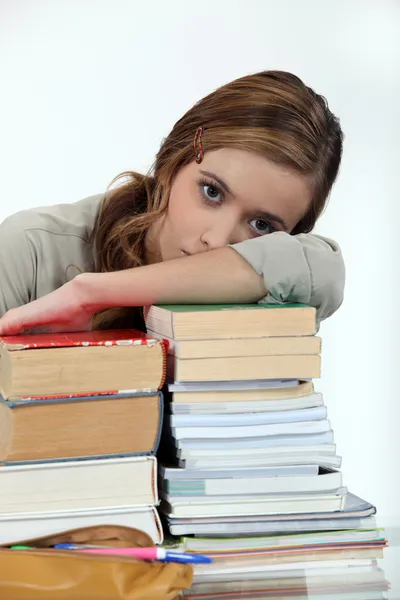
(43, 248)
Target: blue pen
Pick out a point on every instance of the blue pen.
(183, 557)
(75, 546)
(141, 553)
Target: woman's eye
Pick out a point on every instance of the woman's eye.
(261, 227)
(212, 193)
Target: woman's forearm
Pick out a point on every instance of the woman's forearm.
(217, 276)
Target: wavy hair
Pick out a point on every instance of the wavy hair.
(272, 113)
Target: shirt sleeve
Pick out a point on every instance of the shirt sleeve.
(304, 268)
(17, 269)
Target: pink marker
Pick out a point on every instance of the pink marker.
(148, 554)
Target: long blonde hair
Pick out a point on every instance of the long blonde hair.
(272, 113)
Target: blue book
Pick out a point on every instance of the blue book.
(79, 428)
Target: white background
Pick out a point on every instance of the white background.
(89, 89)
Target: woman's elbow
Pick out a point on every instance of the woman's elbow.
(328, 291)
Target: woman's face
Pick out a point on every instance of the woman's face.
(231, 196)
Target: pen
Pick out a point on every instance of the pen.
(78, 546)
(141, 553)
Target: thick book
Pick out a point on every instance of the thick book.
(83, 427)
(244, 368)
(22, 526)
(79, 485)
(213, 321)
(256, 482)
(93, 362)
(226, 348)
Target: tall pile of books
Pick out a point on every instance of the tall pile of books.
(249, 472)
(80, 422)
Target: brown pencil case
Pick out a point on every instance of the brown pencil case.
(45, 573)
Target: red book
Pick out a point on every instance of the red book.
(111, 337)
(81, 363)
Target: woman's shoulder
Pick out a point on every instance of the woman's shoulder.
(69, 219)
(39, 247)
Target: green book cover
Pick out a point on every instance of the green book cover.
(182, 308)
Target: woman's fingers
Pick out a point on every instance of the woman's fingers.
(61, 310)
(14, 322)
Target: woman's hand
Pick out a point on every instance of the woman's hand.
(65, 309)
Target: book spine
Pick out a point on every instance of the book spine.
(160, 422)
(90, 397)
(154, 479)
(164, 347)
(158, 525)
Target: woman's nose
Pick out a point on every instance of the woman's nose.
(220, 236)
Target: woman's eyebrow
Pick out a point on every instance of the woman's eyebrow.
(271, 217)
(218, 180)
(262, 213)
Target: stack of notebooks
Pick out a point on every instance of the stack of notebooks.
(249, 472)
(80, 422)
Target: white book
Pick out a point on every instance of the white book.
(256, 442)
(301, 428)
(274, 542)
(310, 566)
(314, 460)
(25, 526)
(252, 453)
(310, 574)
(81, 484)
(355, 510)
(260, 526)
(211, 408)
(252, 505)
(302, 484)
(215, 590)
(256, 418)
(178, 474)
(317, 568)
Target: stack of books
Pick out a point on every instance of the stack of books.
(249, 472)
(80, 422)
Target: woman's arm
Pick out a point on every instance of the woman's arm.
(217, 276)
(276, 268)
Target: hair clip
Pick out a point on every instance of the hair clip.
(198, 144)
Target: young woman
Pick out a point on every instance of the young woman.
(225, 216)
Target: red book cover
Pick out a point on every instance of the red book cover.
(110, 337)
(105, 338)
